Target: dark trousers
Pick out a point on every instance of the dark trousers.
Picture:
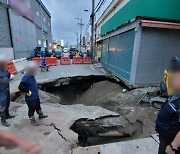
(34, 105)
(7, 104)
(4, 102)
(164, 142)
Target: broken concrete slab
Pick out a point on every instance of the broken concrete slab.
(45, 134)
(140, 146)
(139, 123)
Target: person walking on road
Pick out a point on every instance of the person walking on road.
(29, 86)
(4, 92)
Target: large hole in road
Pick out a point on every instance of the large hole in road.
(131, 122)
(71, 90)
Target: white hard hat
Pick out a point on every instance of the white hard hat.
(3, 58)
(31, 65)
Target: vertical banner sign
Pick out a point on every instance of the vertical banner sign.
(21, 7)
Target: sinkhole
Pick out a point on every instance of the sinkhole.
(107, 93)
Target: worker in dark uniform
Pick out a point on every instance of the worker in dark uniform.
(4, 92)
(29, 86)
(44, 65)
(168, 121)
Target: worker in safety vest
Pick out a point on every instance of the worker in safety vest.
(168, 121)
(77, 53)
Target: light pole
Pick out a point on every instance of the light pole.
(81, 25)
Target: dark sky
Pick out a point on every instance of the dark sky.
(64, 12)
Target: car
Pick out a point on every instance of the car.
(72, 52)
(65, 53)
(57, 53)
(83, 53)
(41, 52)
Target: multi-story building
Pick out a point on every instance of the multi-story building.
(42, 20)
(6, 46)
(29, 27)
(138, 38)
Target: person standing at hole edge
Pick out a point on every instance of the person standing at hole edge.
(29, 86)
(168, 120)
(4, 92)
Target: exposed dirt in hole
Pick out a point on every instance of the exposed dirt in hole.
(73, 92)
(132, 122)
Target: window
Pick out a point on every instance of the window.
(49, 24)
(39, 42)
(37, 13)
(44, 19)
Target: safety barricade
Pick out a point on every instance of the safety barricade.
(11, 68)
(87, 60)
(20, 64)
(65, 61)
(52, 61)
(77, 60)
(37, 60)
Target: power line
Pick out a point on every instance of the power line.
(87, 27)
(98, 4)
(102, 3)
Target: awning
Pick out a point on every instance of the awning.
(160, 24)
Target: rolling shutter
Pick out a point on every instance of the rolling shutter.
(5, 37)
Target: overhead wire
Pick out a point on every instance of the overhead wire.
(97, 8)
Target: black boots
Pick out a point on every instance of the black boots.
(4, 122)
(42, 116)
(3, 119)
(8, 116)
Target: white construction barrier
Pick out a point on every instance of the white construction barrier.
(20, 64)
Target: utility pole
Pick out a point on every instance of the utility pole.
(77, 39)
(81, 24)
(92, 31)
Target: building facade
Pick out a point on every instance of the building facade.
(6, 46)
(29, 27)
(137, 45)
